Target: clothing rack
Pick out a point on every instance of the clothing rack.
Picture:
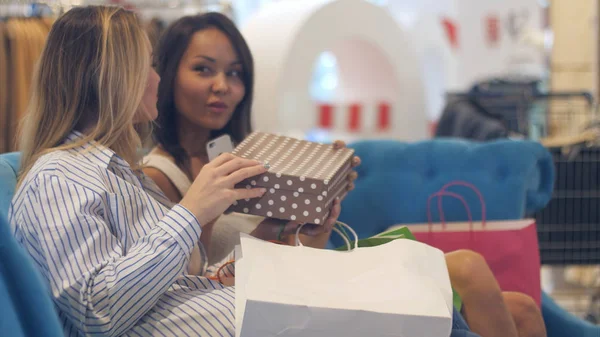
(567, 124)
(530, 113)
(25, 9)
(29, 8)
(24, 26)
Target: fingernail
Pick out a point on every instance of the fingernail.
(263, 190)
(267, 165)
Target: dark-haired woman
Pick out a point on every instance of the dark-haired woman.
(206, 89)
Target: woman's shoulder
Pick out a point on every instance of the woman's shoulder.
(52, 173)
(57, 162)
(160, 161)
(65, 165)
(159, 151)
(160, 166)
(158, 158)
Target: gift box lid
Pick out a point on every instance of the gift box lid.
(295, 165)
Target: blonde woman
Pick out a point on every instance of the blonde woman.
(111, 247)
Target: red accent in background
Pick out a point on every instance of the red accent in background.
(326, 116)
(354, 120)
(432, 128)
(492, 26)
(383, 116)
(451, 29)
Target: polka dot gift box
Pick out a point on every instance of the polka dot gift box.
(303, 179)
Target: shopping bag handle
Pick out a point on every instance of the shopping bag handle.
(470, 186)
(439, 195)
(340, 233)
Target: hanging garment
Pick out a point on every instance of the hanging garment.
(15, 39)
(4, 89)
(465, 119)
(26, 40)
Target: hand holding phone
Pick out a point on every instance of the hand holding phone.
(219, 145)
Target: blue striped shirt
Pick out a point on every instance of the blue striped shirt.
(114, 250)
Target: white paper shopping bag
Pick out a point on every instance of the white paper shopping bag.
(400, 288)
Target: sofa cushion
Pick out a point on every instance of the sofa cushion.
(9, 167)
(395, 180)
(26, 308)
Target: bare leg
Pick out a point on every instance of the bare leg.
(526, 314)
(484, 308)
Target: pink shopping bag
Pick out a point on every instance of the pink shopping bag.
(510, 247)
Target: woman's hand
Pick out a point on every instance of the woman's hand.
(275, 229)
(311, 235)
(338, 144)
(213, 190)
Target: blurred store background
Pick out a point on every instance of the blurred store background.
(399, 69)
(372, 68)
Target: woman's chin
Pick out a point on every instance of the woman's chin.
(203, 123)
(213, 125)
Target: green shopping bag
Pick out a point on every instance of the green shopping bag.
(388, 236)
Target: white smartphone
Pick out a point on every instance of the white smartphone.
(218, 146)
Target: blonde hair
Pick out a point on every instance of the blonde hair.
(91, 77)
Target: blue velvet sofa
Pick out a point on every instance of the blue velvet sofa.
(394, 182)
(396, 179)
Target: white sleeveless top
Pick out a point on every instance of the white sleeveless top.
(227, 229)
(170, 169)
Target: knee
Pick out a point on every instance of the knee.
(526, 314)
(466, 266)
(522, 306)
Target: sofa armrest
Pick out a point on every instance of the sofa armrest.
(9, 166)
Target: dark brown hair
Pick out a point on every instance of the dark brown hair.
(172, 45)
